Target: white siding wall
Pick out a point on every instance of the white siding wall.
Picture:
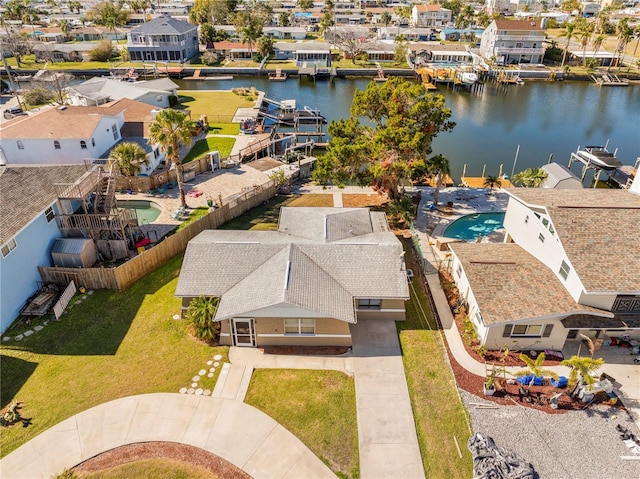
(550, 252)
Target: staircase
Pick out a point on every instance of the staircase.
(106, 196)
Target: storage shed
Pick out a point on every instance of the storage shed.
(74, 253)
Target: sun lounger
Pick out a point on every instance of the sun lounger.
(177, 214)
(194, 193)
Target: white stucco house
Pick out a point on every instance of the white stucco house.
(570, 266)
(513, 41)
(99, 90)
(428, 15)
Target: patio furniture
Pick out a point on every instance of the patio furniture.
(194, 193)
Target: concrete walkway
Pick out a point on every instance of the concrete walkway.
(235, 431)
(387, 437)
(257, 359)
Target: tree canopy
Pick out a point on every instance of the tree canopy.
(108, 14)
(129, 157)
(402, 119)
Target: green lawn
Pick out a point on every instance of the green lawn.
(221, 143)
(224, 128)
(151, 469)
(195, 215)
(112, 345)
(437, 410)
(219, 106)
(318, 407)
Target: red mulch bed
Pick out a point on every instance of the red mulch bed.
(307, 350)
(163, 450)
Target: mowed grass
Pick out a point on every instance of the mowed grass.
(318, 407)
(224, 128)
(265, 217)
(213, 103)
(437, 409)
(221, 143)
(151, 469)
(112, 345)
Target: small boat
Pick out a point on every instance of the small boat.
(599, 156)
(468, 78)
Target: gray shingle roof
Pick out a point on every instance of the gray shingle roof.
(510, 285)
(325, 224)
(599, 230)
(164, 25)
(26, 191)
(254, 270)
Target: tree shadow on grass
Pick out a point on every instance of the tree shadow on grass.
(98, 324)
(15, 372)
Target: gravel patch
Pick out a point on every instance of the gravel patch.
(577, 444)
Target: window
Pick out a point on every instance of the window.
(564, 270)
(83, 145)
(541, 238)
(545, 221)
(526, 330)
(93, 142)
(56, 144)
(49, 214)
(114, 128)
(9, 247)
(459, 271)
(299, 326)
(369, 303)
(20, 145)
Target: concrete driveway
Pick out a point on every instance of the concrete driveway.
(235, 431)
(387, 437)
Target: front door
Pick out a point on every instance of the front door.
(244, 332)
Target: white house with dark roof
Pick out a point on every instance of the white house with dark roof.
(163, 39)
(304, 284)
(574, 269)
(99, 90)
(513, 41)
(28, 205)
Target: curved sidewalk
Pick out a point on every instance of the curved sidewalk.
(237, 432)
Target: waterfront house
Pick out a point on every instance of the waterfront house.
(380, 51)
(570, 266)
(429, 15)
(513, 42)
(437, 53)
(28, 206)
(304, 284)
(99, 90)
(96, 33)
(163, 39)
(63, 52)
(285, 33)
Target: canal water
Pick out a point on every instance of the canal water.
(544, 118)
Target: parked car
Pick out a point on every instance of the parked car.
(13, 112)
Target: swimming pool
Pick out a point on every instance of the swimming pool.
(469, 227)
(147, 211)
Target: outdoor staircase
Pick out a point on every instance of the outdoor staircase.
(106, 196)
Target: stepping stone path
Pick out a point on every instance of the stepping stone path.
(28, 333)
(38, 328)
(176, 316)
(209, 372)
(19, 337)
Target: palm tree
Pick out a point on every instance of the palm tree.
(438, 165)
(625, 34)
(530, 178)
(534, 367)
(199, 316)
(636, 33)
(569, 34)
(585, 33)
(597, 43)
(129, 158)
(385, 18)
(170, 128)
(64, 27)
(492, 182)
(582, 368)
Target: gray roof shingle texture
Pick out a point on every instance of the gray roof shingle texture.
(26, 191)
(600, 232)
(509, 284)
(253, 270)
(164, 25)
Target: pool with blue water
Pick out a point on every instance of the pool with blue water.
(470, 226)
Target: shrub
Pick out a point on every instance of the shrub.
(102, 52)
(209, 58)
(199, 317)
(38, 96)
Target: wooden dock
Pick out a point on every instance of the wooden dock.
(607, 79)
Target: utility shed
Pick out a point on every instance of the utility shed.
(559, 176)
(74, 253)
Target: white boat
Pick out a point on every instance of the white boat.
(468, 78)
(23, 77)
(599, 156)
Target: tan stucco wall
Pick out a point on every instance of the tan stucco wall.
(392, 309)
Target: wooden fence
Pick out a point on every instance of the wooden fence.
(123, 276)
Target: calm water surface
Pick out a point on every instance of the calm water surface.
(543, 118)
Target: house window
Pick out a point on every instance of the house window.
(93, 142)
(49, 214)
(159, 98)
(299, 326)
(541, 238)
(534, 330)
(572, 334)
(56, 144)
(369, 303)
(83, 145)
(459, 271)
(20, 145)
(9, 247)
(114, 128)
(564, 270)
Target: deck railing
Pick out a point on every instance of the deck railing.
(81, 188)
(117, 220)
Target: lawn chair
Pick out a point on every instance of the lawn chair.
(177, 214)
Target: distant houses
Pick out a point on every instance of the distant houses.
(163, 39)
